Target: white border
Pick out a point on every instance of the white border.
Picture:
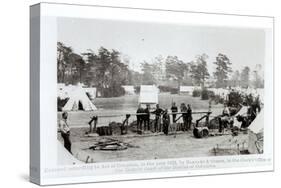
(159, 16)
(48, 83)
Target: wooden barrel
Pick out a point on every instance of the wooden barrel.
(104, 131)
(201, 132)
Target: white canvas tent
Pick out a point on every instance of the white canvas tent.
(255, 142)
(186, 89)
(242, 112)
(62, 91)
(129, 90)
(260, 93)
(78, 100)
(91, 91)
(148, 94)
(221, 92)
(64, 157)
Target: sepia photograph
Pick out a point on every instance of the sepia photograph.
(129, 91)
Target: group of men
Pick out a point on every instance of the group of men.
(143, 118)
(225, 120)
(161, 121)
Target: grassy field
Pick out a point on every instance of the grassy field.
(119, 106)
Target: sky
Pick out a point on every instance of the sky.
(139, 41)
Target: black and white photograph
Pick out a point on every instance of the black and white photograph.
(120, 93)
(124, 93)
(130, 91)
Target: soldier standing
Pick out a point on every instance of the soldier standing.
(184, 116)
(166, 122)
(189, 117)
(140, 117)
(174, 109)
(146, 117)
(65, 131)
(158, 112)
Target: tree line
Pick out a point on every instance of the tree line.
(106, 70)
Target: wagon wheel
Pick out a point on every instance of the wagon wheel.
(204, 133)
(196, 133)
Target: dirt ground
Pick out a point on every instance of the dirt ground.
(183, 145)
(145, 147)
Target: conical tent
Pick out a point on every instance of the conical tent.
(91, 92)
(255, 143)
(64, 157)
(242, 112)
(78, 100)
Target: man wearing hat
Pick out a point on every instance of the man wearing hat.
(65, 131)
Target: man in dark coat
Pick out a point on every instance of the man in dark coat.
(184, 116)
(174, 109)
(189, 117)
(166, 122)
(146, 118)
(158, 112)
(140, 117)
